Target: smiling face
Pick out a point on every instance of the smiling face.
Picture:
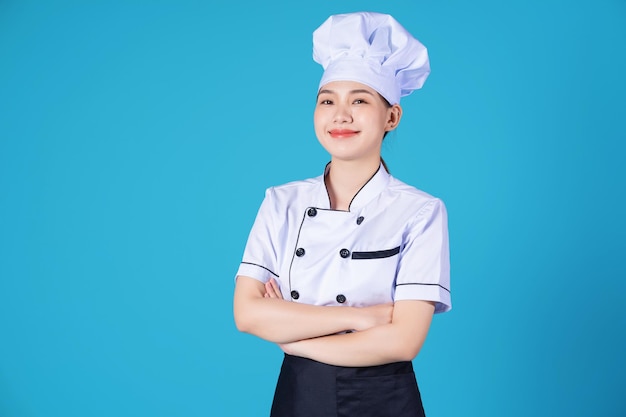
(351, 119)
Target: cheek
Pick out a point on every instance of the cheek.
(318, 121)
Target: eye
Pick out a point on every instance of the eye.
(325, 102)
(360, 101)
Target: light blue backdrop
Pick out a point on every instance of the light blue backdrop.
(137, 139)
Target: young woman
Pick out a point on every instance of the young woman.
(344, 271)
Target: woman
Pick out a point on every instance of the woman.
(344, 271)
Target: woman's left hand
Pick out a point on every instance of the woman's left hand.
(272, 290)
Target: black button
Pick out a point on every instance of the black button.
(344, 253)
(312, 212)
(341, 298)
(299, 252)
(359, 220)
(295, 294)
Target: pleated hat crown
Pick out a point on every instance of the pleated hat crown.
(373, 49)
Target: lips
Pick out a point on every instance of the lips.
(343, 133)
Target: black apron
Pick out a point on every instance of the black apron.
(307, 388)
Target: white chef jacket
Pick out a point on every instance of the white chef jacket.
(391, 245)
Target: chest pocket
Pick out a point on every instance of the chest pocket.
(374, 273)
(377, 254)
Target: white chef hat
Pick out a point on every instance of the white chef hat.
(373, 49)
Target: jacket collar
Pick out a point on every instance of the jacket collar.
(372, 188)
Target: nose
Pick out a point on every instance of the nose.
(342, 114)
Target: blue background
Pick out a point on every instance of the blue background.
(137, 139)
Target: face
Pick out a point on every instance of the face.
(351, 119)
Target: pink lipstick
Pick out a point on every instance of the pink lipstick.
(343, 133)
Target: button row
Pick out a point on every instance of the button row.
(340, 298)
(344, 253)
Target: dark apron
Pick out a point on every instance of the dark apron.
(307, 388)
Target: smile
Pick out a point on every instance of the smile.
(343, 133)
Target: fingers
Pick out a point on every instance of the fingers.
(272, 289)
(276, 288)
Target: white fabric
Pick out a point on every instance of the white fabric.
(394, 215)
(373, 49)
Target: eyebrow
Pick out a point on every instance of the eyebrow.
(357, 91)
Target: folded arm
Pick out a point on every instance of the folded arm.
(400, 340)
(280, 321)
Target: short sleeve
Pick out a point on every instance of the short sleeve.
(424, 265)
(260, 255)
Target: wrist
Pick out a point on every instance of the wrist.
(361, 320)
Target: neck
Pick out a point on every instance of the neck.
(346, 178)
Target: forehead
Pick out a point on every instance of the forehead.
(346, 87)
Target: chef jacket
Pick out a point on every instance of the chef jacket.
(391, 245)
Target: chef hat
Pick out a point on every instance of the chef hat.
(373, 49)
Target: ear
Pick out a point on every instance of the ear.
(395, 114)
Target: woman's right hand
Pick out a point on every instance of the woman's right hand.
(260, 310)
(367, 317)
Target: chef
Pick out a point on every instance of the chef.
(345, 270)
